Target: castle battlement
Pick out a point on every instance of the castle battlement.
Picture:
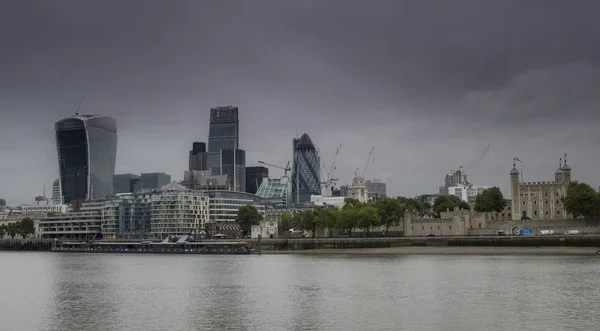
(536, 183)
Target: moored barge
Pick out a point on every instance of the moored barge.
(149, 247)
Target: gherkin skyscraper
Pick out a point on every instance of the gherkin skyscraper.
(306, 178)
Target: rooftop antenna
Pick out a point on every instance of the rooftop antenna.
(79, 106)
(44, 192)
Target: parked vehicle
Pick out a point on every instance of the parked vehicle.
(525, 232)
(546, 232)
(572, 232)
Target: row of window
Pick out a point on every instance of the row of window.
(438, 227)
(535, 202)
(535, 194)
(535, 212)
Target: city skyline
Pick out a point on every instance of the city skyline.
(428, 93)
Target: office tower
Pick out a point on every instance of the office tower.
(56, 191)
(153, 181)
(2, 203)
(254, 177)
(198, 155)
(306, 179)
(224, 156)
(223, 133)
(232, 162)
(376, 189)
(126, 183)
(87, 152)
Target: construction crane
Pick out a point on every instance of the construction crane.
(364, 172)
(329, 180)
(285, 169)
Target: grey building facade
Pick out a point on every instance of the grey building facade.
(376, 189)
(254, 177)
(306, 178)
(232, 163)
(56, 191)
(154, 180)
(126, 183)
(87, 152)
(198, 157)
(223, 133)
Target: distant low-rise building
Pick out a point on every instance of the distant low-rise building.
(204, 180)
(153, 181)
(177, 210)
(323, 201)
(376, 189)
(268, 227)
(44, 207)
(224, 205)
(427, 198)
(466, 192)
(85, 224)
(275, 191)
(126, 183)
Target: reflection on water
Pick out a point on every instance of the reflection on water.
(53, 291)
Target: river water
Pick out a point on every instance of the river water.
(72, 291)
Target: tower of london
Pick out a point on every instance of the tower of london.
(540, 200)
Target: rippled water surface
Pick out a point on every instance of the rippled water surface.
(68, 291)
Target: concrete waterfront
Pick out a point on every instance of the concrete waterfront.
(563, 244)
(448, 250)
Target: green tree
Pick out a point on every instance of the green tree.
(305, 221)
(351, 202)
(285, 223)
(582, 200)
(25, 227)
(368, 217)
(327, 218)
(391, 211)
(11, 230)
(445, 202)
(348, 218)
(309, 222)
(2, 231)
(414, 204)
(247, 217)
(490, 200)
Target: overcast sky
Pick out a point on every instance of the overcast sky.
(427, 83)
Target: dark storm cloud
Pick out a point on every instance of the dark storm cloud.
(430, 82)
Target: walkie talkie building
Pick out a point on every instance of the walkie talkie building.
(87, 152)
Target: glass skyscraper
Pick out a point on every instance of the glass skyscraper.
(87, 152)
(306, 173)
(223, 133)
(224, 156)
